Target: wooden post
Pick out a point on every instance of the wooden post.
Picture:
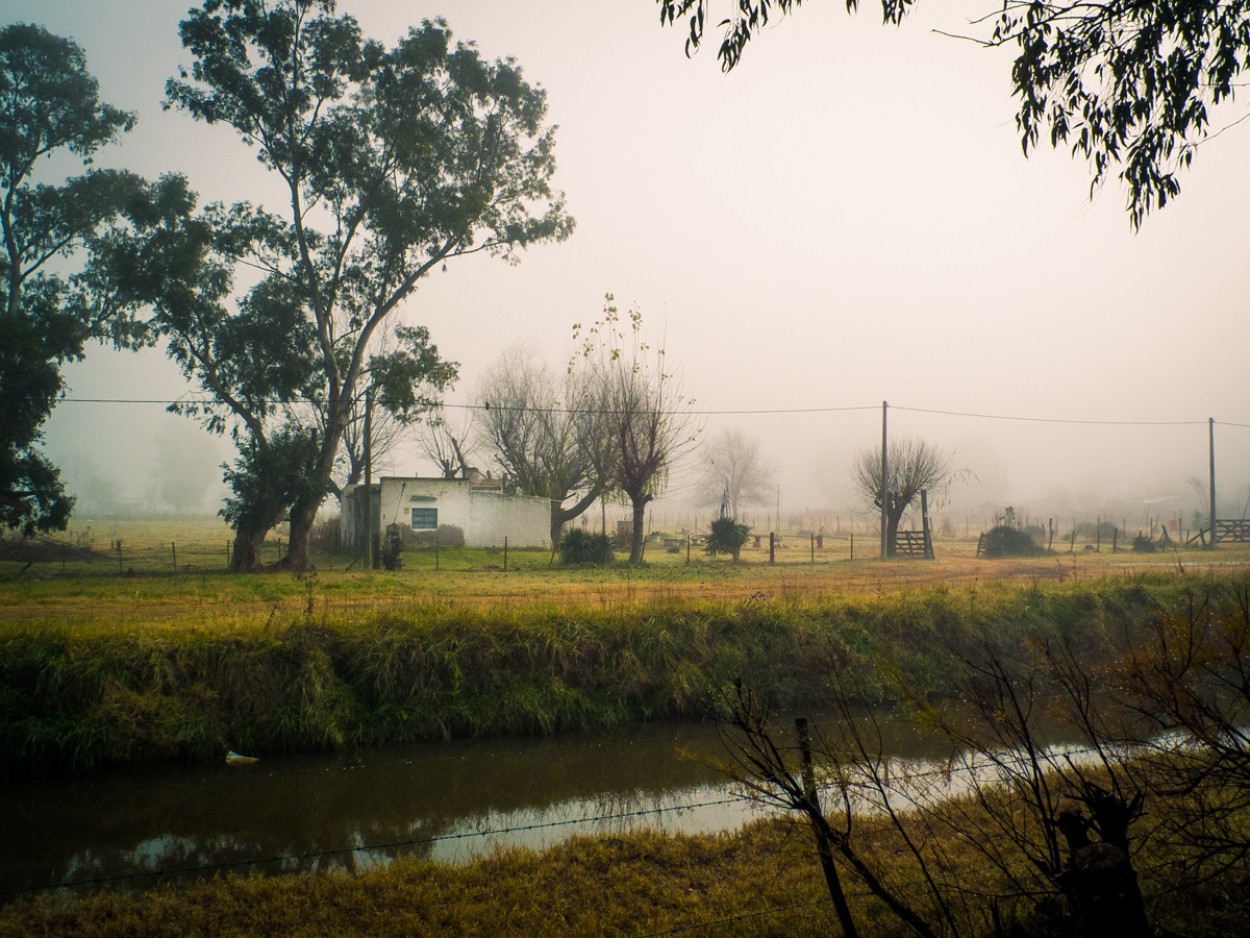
(689, 538)
(368, 479)
(772, 548)
(885, 482)
(813, 537)
(924, 524)
(1211, 450)
(505, 554)
(173, 555)
(852, 543)
(822, 841)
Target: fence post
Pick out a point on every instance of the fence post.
(119, 555)
(852, 544)
(813, 537)
(772, 548)
(505, 554)
(689, 538)
(173, 555)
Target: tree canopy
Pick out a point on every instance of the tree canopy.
(394, 161)
(542, 447)
(49, 307)
(1124, 84)
(734, 473)
(632, 403)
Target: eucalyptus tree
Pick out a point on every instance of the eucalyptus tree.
(392, 161)
(1122, 83)
(398, 389)
(50, 114)
(914, 466)
(635, 406)
(542, 446)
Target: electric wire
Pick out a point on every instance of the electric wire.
(771, 411)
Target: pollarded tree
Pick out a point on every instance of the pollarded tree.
(1123, 83)
(393, 161)
(542, 447)
(736, 470)
(49, 309)
(634, 405)
(449, 444)
(914, 466)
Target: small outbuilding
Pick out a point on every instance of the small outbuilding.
(477, 505)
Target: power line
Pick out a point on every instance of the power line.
(1064, 420)
(772, 411)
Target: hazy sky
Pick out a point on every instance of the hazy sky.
(845, 219)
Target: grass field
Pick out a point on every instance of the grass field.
(151, 652)
(137, 571)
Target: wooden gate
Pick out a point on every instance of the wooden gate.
(1233, 532)
(912, 544)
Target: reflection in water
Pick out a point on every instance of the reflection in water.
(448, 802)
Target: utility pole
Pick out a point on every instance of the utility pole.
(369, 479)
(1211, 448)
(885, 482)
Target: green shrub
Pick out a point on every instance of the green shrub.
(578, 546)
(1007, 541)
(726, 536)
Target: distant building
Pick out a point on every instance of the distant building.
(476, 505)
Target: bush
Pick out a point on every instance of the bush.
(726, 536)
(1143, 545)
(578, 546)
(1006, 541)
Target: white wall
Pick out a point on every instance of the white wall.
(486, 516)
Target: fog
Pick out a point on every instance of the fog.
(846, 219)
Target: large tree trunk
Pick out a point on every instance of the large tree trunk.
(245, 555)
(891, 531)
(560, 516)
(639, 503)
(297, 555)
(304, 510)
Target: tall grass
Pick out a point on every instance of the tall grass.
(75, 696)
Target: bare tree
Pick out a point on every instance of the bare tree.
(539, 443)
(914, 466)
(450, 443)
(734, 472)
(635, 406)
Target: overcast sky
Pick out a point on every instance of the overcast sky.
(845, 219)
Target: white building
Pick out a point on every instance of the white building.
(475, 505)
